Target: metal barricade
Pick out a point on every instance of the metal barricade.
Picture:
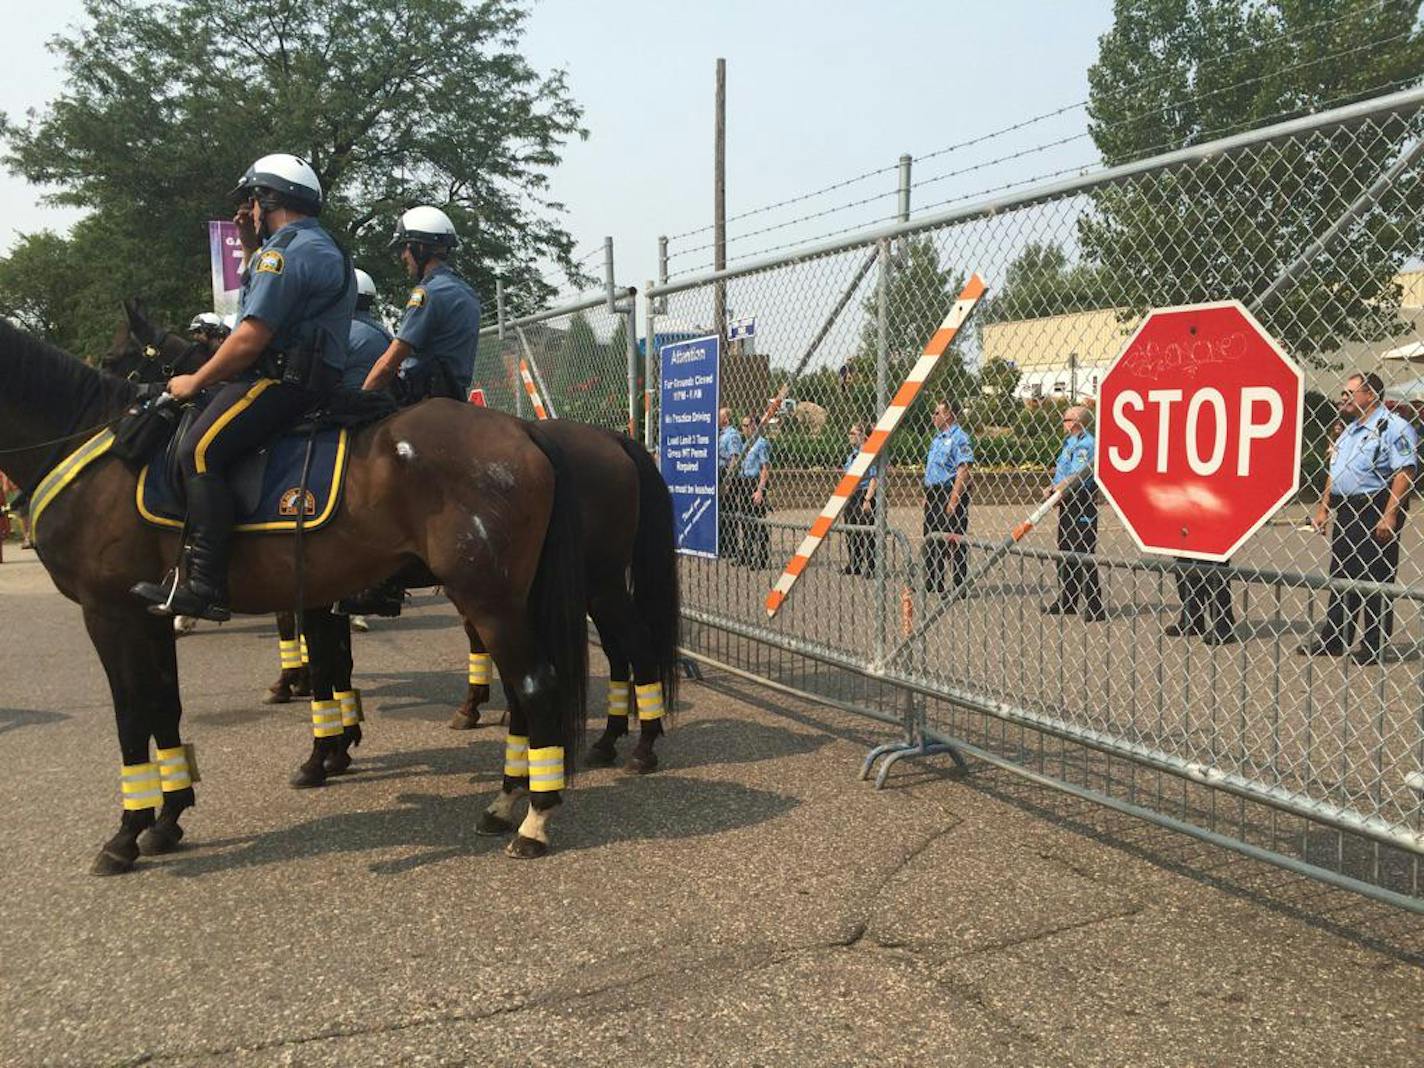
(1189, 704)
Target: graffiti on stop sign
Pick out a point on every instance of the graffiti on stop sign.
(1199, 437)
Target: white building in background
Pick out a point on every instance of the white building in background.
(1065, 355)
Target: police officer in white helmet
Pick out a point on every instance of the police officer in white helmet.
(434, 348)
(369, 336)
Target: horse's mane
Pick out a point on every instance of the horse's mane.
(41, 376)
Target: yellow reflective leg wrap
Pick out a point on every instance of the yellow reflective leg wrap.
(481, 669)
(546, 769)
(174, 768)
(516, 756)
(650, 701)
(140, 787)
(326, 718)
(306, 659)
(618, 699)
(351, 711)
(291, 654)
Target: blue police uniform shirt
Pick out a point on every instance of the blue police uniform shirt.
(729, 445)
(369, 341)
(949, 448)
(870, 472)
(1370, 451)
(1077, 454)
(442, 324)
(756, 458)
(300, 285)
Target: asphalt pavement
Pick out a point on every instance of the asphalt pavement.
(751, 903)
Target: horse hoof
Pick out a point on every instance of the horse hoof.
(110, 861)
(642, 763)
(601, 756)
(526, 848)
(492, 826)
(336, 763)
(464, 721)
(309, 775)
(162, 837)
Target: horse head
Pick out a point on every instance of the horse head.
(142, 351)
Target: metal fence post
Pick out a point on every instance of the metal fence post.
(500, 317)
(882, 401)
(904, 200)
(608, 273)
(630, 342)
(650, 341)
(662, 273)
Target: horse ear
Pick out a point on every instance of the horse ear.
(133, 310)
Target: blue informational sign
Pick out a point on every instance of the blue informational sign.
(687, 437)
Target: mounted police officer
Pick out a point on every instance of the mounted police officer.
(434, 348)
(208, 330)
(283, 358)
(369, 336)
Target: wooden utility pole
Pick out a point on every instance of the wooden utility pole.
(719, 205)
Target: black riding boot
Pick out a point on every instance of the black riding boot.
(383, 599)
(204, 593)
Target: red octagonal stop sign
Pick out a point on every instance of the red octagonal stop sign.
(1199, 430)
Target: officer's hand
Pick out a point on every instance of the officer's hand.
(184, 387)
(1047, 492)
(1384, 529)
(246, 228)
(866, 506)
(756, 496)
(1319, 519)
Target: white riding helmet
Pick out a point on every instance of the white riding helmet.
(208, 323)
(289, 175)
(365, 284)
(427, 225)
(229, 322)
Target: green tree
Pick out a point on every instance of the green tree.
(1040, 281)
(394, 102)
(920, 292)
(1173, 73)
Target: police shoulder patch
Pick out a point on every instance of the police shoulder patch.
(270, 262)
(417, 298)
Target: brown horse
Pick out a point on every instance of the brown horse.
(474, 498)
(631, 564)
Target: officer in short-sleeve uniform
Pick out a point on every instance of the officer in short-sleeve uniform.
(1077, 521)
(860, 510)
(283, 359)
(947, 476)
(1371, 474)
(369, 336)
(752, 475)
(729, 452)
(435, 345)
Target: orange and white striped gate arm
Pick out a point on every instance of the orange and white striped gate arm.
(890, 419)
(530, 389)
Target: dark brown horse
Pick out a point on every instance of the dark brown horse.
(476, 499)
(631, 564)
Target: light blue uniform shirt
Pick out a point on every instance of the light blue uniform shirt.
(870, 472)
(300, 286)
(756, 458)
(442, 324)
(948, 449)
(369, 340)
(729, 446)
(1369, 452)
(1077, 454)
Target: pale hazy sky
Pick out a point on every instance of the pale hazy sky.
(816, 92)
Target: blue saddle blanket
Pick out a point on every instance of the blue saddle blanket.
(266, 485)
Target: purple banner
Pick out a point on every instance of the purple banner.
(225, 250)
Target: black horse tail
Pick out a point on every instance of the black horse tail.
(558, 601)
(656, 594)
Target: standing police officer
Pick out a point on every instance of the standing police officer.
(1371, 472)
(752, 476)
(369, 336)
(947, 479)
(284, 357)
(1077, 521)
(860, 510)
(435, 345)
(729, 451)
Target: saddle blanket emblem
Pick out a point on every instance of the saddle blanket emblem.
(267, 486)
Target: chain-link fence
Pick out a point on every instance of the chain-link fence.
(578, 361)
(1274, 704)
